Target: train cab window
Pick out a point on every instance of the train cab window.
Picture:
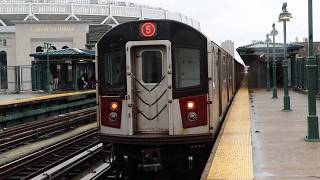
(151, 66)
(114, 75)
(187, 67)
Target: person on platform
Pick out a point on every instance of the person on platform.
(55, 80)
(84, 81)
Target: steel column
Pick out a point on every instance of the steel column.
(268, 65)
(313, 124)
(74, 76)
(286, 97)
(274, 70)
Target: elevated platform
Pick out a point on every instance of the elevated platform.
(21, 108)
(260, 141)
(21, 99)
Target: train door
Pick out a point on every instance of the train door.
(224, 83)
(219, 81)
(150, 89)
(231, 78)
(227, 77)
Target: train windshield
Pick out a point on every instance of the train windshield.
(187, 67)
(114, 72)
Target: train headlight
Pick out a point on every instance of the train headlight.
(192, 116)
(190, 105)
(113, 117)
(114, 106)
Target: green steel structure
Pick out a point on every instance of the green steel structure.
(47, 47)
(268, 40)
(285, 17)
(274, 32)
(19, 113)
(70, 61)
(313, 124)
(254, 56)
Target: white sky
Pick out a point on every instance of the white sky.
(244, 20)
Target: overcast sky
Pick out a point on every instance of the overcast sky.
(244, 20)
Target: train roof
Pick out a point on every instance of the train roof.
(166, 29)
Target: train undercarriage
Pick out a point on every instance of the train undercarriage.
(176, 160)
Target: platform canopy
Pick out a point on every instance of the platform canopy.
(70, 53)
(260, 48)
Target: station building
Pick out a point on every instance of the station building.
(256, 57)
(25, 26)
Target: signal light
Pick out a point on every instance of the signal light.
(148, 29)
(114, 106)
(190, 105)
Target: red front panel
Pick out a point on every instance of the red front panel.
(105, 111)
(200, 109)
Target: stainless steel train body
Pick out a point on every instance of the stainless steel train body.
(160, 83)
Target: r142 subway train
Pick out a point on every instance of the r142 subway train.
(163, 88)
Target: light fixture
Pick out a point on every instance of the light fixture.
(113, 106)
(190, 105)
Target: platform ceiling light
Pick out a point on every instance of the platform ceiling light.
(284, 15)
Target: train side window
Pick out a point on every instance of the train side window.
(151, 66)
(187, 67)
(113, 66)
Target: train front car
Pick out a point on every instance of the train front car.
(153, 92)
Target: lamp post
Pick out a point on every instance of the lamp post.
(274, 32)
(47, 46)
(268, 40)
(313, 127)
(284, 17)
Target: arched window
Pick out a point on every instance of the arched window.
(65, 47)
(3, 70)
(39, 49)
(53, 48)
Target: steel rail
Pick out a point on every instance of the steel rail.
(6, 133)
(71, 163)
(35, 163)
(46, 129)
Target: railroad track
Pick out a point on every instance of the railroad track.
(87, 165)
(45, 159)
(26, 133)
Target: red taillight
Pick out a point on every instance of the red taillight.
(110, 112)
(195, 112)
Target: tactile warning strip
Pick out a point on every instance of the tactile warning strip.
(233, 157)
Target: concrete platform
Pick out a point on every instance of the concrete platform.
(278, 149)
(23, 98)
(22, 95)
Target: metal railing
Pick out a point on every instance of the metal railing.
(16, 78)
(95, 9)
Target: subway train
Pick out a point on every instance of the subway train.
(163, 89)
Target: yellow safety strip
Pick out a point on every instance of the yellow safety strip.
(233, 158)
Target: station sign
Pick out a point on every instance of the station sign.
(148, 29)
